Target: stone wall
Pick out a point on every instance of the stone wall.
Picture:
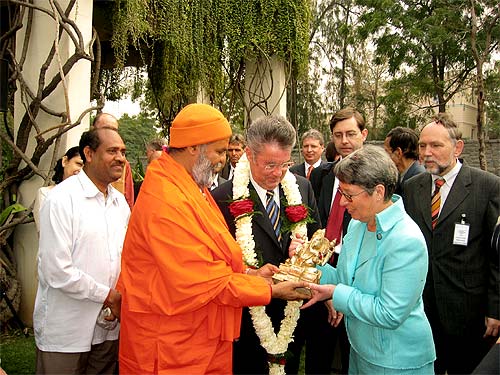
(471, 153)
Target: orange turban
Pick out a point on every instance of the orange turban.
(198, 124)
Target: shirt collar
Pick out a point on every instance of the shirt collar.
(90, 190)
(449, 177)
(315, 165)
(261, 192)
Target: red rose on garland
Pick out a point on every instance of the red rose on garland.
(296, 213)
(241, 207)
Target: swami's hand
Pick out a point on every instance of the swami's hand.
(319, 293)
(492, 327)
(288, 290)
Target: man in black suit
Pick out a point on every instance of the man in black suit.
(313, 145)
(269, 145)
(456, 207)
(402, 146)
(348, 134)
(235, 149)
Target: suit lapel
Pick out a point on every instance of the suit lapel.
(423, 197)
(327, 192)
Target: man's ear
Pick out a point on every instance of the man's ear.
(88, 154)
(459, 147)
(248, 151)
(193, 150)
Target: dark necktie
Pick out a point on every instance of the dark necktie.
(335, 220)
(273, 211)
(309, 170)
(436, 201)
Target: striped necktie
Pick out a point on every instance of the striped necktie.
(436, 201)
(273, 211)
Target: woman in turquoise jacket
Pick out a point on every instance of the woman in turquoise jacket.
(378, 283)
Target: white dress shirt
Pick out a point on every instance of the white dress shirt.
(449, 179)
(81, 240)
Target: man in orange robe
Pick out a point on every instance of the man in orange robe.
(183, 280)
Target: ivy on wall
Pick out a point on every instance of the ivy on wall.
(188, 44)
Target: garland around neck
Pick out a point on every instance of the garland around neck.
(275, 345)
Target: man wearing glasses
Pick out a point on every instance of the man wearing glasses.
(348, 135)
(269, 145)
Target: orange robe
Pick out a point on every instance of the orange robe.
(182, 280)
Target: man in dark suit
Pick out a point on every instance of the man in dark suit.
(235, 149)
(313, 145)
(456, 207)
(269, 145)
(402, 146)
(348, 134)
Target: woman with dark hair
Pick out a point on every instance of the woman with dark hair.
(70, 164)
(379, 279)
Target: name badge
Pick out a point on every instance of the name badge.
(461, 235)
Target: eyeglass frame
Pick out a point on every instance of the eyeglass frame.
(349, 197)
(271, 167)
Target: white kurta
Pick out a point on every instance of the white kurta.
(81, 239)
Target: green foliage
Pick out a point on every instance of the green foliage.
(191, 44)
(136, 131)
(426, 42)
(492, 85)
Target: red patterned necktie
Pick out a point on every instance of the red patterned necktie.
(309, 170)
(335, 219)
(436, 201)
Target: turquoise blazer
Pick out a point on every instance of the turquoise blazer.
(379, 290)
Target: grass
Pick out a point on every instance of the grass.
(17, 352)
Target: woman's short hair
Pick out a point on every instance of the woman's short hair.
(368, 167)
(59, 169)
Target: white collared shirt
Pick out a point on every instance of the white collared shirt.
(81, 240)
(315, 165)
(449, 179)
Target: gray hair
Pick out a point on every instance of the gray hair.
(314, 134)
(368, 167)
(270, 129)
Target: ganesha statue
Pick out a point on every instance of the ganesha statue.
(302, 265)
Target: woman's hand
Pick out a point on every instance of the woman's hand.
(319, 293)
(296, 242)
(334, 316)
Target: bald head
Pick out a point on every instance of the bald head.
(103, 120)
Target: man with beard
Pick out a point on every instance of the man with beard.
(183, 279)
(456, 207)
(82, 227)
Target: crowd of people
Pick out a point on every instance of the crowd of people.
(178, 279)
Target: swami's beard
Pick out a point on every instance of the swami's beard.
(204, 172)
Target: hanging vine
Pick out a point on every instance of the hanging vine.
(188, 44)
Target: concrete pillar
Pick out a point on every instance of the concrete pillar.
(43, 34)
(265, 89)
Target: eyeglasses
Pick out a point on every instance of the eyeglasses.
(273, 166)
(349, 197)
(348, 135)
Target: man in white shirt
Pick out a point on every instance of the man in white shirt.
(82, 228)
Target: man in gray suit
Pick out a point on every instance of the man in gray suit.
(269, 145)
(402, 146)
(456, 207)
(313, 145)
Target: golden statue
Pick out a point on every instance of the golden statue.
(302, 265)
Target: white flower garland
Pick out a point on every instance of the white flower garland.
(274, 344)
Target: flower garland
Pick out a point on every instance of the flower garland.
(275, 345)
